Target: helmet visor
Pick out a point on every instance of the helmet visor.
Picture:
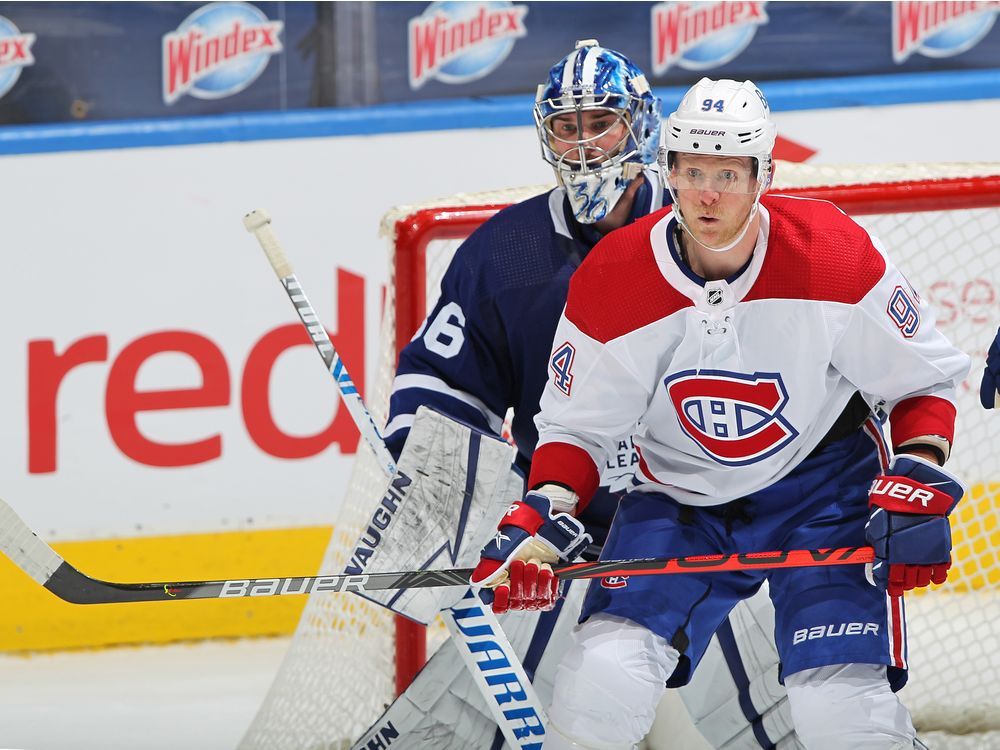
(735, 176)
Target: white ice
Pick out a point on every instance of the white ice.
(188, 696)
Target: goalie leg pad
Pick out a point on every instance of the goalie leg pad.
(609, 683)
(848, 705)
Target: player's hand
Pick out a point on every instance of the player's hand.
(514, 568)
(989, 389)
(908, 524)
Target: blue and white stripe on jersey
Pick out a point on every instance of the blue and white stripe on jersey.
(430, 390)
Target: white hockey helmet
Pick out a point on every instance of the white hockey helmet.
(595, 173)
(721, 118)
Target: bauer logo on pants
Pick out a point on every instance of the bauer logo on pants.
(734, 418)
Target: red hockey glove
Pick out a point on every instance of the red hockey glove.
(908, 524)
(514, 566)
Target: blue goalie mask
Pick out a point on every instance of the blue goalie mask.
(598, 124)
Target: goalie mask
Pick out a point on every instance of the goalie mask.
(598, 124)
(720, 118)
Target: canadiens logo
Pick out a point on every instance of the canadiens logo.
(218, 51)
(734, 418)
(702, 35)
(614, 582)
(939, 29)
(15, 54)
(458, 42)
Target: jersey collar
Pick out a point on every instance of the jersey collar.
(707, 295)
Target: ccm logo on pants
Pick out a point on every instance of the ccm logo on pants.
(832, 631)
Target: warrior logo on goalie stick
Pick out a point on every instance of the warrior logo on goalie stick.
(734, 418)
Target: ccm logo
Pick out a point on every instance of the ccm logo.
(901, 491)
(833, 631)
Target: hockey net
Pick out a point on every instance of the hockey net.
(941, 224)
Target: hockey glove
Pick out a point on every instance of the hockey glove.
(989, 389)
(908, 524)
(514, 566)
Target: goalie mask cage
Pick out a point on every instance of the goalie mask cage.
(941, 225)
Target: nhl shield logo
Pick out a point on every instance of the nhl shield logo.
(734, 418)
(715, 296)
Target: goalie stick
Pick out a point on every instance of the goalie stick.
(44, 564)
(258, 223)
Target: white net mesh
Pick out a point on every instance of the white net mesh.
(338, 674)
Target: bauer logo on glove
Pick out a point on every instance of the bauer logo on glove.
(908, 524)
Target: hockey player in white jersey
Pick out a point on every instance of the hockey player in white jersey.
(485, 347)
(733, 332)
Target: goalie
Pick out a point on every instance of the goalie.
(485, 348)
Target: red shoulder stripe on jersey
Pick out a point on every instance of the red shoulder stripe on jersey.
(619, 288)
(922, 415)
(568, 464)
(815, 252)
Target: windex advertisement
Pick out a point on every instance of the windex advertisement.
(449, 51)
(939, 29)
(15, 53)
(172, 59)
(459, 42)
(701, 36)
(218, 51)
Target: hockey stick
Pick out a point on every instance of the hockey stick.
(44, 564)
(259, 224)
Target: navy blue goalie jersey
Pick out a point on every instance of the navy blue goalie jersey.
(485, 346)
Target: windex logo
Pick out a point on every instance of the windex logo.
(698, 36)
(15, 54)
(218, 51)
(939, 29)
(835, 631)
(458, 42)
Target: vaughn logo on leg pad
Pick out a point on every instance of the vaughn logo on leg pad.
(835, 630)
(379, 522)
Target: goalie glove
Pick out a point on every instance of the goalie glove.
(989, 389)
(515, 566)
(908, 524)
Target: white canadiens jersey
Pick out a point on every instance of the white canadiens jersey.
(729, 384)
